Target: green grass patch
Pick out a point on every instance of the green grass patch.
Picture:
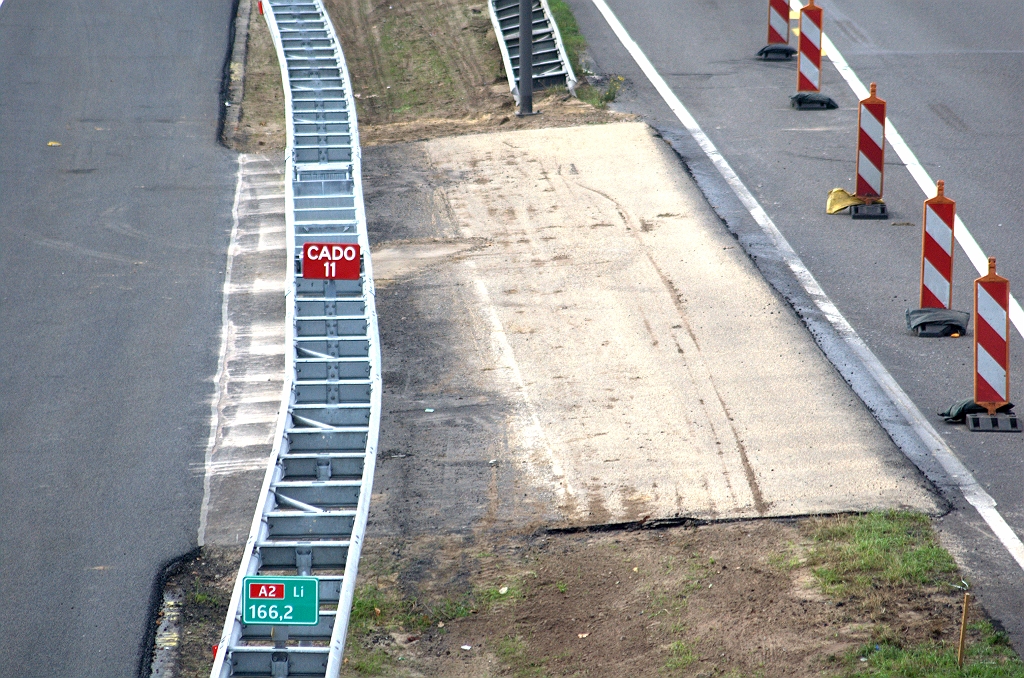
(512, 651)
(204, 596)
(487, 597)
(365, 661)
(851, 555)
(574, 42)
(989, 655)
(680, 655)
(575, 46)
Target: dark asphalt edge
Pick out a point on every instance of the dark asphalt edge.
(235, 52)
(156, 600)
(772, 266)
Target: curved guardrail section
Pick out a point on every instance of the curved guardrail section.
(550, 62)
(313, 507)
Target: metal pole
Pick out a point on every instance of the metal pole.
(525, 57)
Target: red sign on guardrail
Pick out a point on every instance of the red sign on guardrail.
(330, 261)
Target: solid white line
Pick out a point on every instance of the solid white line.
(920, 174)
(966, 482)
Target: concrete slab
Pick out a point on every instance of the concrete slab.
(251, 373)
(644, 366)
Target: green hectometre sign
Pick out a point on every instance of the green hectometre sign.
(284, 601)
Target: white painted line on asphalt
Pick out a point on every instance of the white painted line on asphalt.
(965, 481)
(963, 236)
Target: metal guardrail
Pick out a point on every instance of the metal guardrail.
(550, 62)
(313, 507)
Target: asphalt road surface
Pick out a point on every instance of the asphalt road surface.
(112, 252)
(952, 76)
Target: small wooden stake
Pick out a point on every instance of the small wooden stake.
(963, 632)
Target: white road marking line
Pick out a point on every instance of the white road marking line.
(963, 478)
(920, 174)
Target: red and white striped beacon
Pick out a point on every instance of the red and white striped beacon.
(778, 22)
(937, 250)
(870, 148)
(991, 340)
(808, 62)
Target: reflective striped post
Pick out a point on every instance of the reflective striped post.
(870, 148)
(991, 340)
(778, 22)
(808, 71)
(937, 250)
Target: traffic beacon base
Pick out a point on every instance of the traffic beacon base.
(994, 423)
(776, 53)
(992, 355)
(812, 101)
(875, 210)
(936, 317)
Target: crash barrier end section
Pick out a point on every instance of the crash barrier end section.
(550, 61)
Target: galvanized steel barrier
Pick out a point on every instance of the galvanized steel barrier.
(313, 507)
(550, 62)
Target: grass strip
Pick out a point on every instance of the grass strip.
(575, 47)
(853, 555)
(989, 655)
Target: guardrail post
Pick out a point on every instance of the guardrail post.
(525, 57)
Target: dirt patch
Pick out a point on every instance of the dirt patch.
(556, 108)
(420, 69)
(429, 68)
(716, 600)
